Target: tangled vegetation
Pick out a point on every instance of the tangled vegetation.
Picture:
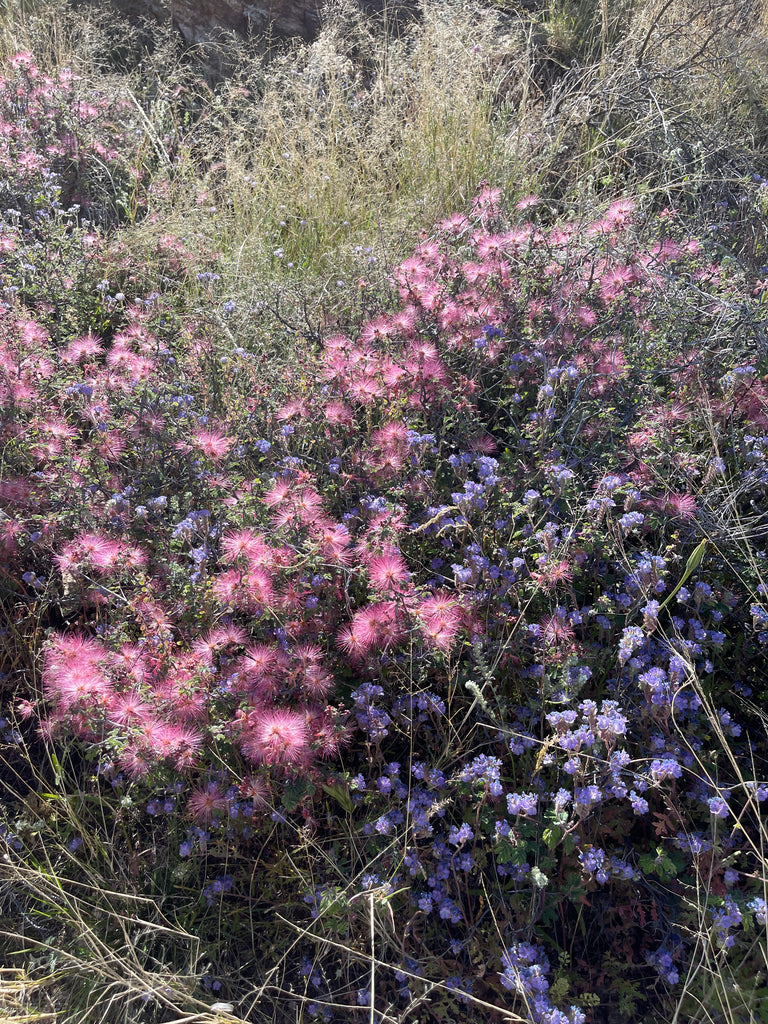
(383, 517)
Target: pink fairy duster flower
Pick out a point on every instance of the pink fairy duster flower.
(489, 246)
(134, 762)
(80, 682)
(212, 443)
(317, 682)
(276, 737)
(187, 701)
(585, 316)
(227, 589)
(454, 225)
(556, 630)
(308, 505)
(527, 202)
(327, 730)
(440, 631)
(245, 544)
(392, 373)
(387, 573)
(337, 343)
(125, 708)
(379, 329)
(682, 506)
(87, 346)
(278, 493)
(392, 434)
(87, 549)
(349, 641)
(307, 655)
(174, 741)
(205, 802)
(255, 789)
(228, 636)
(365, 389)
(405, 320)
(259, 660)
(26, 709)
(613, 282)
(334, 543)
(389, 463)
(339, 414)
(619, 214)
(259, 589)
(378, 625)
(441, 619)
(486, 201)
(483, 443)
(298, 407)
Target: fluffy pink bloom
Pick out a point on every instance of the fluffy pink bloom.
(308, 505)
(206, 801)
(245, 544)
(298, 407)
(278, 736)
(349, 640)
(365, 389)
(388, 572)
(212, 443)
(613, 282)
(619, 214)
(278, 493)
(682, 506)
(261, 659)
(454, 225)
(205, 647)
(441, 619)
(227, 588)
(175, 741)
(317, 682)
(255, 789)
(556, 630)
(378, 625)
(334, 541)
(339, 413)
(81, 682)
(84, 347)
(126, 708)
(134, 762)
(258, 586)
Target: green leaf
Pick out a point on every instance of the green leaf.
(340, 794)
(295, 792)
(552, 837)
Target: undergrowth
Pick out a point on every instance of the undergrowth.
(383, 523)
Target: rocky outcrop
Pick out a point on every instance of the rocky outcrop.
(201, 21)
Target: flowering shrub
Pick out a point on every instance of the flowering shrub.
(469, 591)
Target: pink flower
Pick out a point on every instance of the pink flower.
(388, 572)
(245, 544)
(378, 625)
(212, 443)
(279, 736)
(278, 493)
(259, 661)
(126, 708)
(619, 214)
(205, 802)
(339, 413)
(682, 506)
